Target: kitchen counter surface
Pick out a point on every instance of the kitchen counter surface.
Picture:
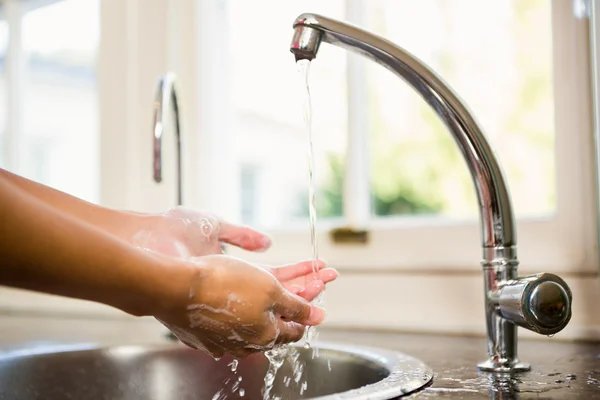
(560, 370)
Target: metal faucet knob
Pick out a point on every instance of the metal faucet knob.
(540, 303)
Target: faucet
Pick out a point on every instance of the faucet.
(540, 303)
(166, 95)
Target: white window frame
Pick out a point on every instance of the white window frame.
(563, 242)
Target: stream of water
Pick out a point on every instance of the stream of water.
(279, 354)
(304, 70)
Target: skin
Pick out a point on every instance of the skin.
(54, 243)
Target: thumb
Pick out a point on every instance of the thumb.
(296, 309)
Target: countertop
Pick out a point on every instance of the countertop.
(560, 370)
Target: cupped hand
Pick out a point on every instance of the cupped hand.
(237, 308)
(184, 232)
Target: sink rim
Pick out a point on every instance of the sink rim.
(407, 373)
(399, 383)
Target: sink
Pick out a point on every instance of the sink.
(165, 372)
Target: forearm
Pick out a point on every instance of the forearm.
(45, 250)
(117, 223)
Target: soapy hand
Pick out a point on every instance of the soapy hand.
(184, 232)
(303, 280)
(237, 308)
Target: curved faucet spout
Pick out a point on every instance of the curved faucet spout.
(497, 221)
(166, 95)
(541, 303)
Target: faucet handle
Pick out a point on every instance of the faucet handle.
(540, 303)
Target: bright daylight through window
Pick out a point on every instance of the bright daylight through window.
(501, 67)
(53, 106)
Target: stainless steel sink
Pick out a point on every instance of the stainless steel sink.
(176, 372)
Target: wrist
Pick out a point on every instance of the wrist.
(167, 285)
(129, 226)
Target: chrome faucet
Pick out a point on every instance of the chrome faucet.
(166, 95)
(540, 303)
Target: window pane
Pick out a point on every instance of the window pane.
(269, 123)
(497, 55)
(60, 130)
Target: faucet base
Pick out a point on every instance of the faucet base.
(504, 368)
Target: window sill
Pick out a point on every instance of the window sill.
(437, 303)
(544, 244)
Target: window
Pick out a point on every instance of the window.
(523, 72)
(52, 131)
(249, 195)
(49, 113)
(266, 106)
(510, 70)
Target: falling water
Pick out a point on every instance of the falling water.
(304, 70)
(278, 355)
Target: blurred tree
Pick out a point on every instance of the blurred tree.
(394, 192)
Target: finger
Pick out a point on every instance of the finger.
(289, 332)
(312, 290)
(328, 275)
(244, 237)
(296, 289)
(291, 271)
(315, 287)
(296, 309)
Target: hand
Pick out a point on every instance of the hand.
(184, 233)
(300, 278)
(237, 308)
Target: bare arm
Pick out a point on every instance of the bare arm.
(118, 223)
(45, 250)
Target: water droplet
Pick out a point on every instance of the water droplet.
(303, 387)
(233, 365)
(552, 335)
(571, 377)
(242, 392)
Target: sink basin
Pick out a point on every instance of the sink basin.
(168, 372)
